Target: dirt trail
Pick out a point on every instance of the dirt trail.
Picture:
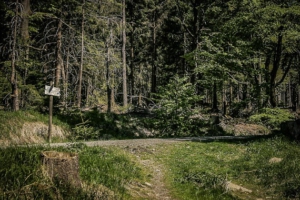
(156, 141)
(155, 189)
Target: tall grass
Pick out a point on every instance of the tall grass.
(111, 168)
(22, 177)
(12, 122)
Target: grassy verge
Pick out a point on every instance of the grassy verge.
(267, 167)
(12, 122)
(21, 174)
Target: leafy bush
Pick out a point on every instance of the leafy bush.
(272, 117)
(176, 101)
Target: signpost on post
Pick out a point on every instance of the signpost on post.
(51, 91)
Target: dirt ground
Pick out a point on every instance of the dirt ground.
(155, 188)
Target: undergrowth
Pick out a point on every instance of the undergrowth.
(272, 117)
(94, 125)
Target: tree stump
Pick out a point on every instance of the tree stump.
(62, 167)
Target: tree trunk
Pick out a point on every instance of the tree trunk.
(273, 74)
(88, 91)
(131, 76)
(224, 100)
(13, 78)
(108, 86)
(215, 98)
(267, 77)
(298, 95)
(81, 60)
(154, 67)
(59, 60)
(26, 12)
(65, 79)
(195, 38)
(124, 54)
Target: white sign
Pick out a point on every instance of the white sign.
(50, 90)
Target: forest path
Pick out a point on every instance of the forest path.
(155, 187)
(156, 141)
(144, 150)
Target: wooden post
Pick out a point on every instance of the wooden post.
(50, 114)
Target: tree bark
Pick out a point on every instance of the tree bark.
(66, 78)
(108, 84)
(124, 54)
(81, 59)
(215, 98)
(195, 36)
(59, 60)
(154, 67)
(131, 39)
(13, 77)
(276, 64)
(26, 12)
(131, 76)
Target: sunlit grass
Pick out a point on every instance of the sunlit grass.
(110, 167)
(12, 122)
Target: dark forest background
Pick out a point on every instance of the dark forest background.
(234, 57)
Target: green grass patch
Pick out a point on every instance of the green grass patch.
(21, 174)
(200, 170)
(110, 167)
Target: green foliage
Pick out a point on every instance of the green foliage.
(93, 125)
(176, 101)
(31, 96)
(272, 117)
(85, 132)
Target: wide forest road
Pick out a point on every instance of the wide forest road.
(155, 141)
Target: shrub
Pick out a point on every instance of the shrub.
(272, 117)
(176, 101)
